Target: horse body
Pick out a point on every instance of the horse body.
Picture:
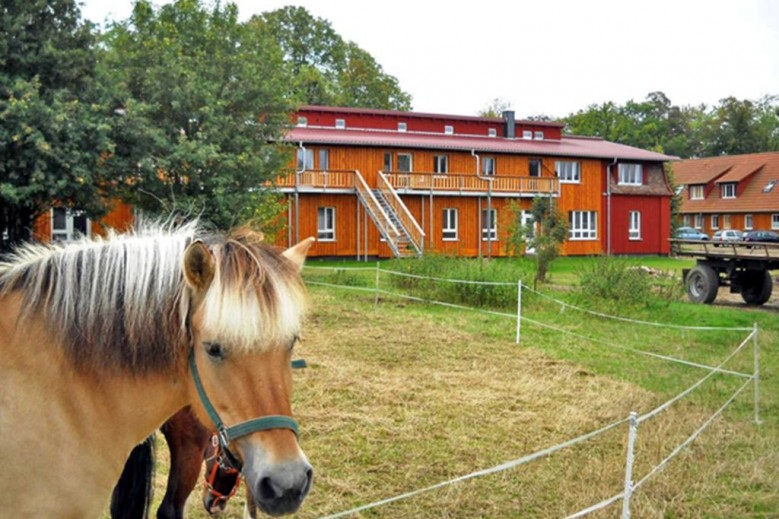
(95, 340)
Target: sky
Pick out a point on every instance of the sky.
(551, 57)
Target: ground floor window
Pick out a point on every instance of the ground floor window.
(68, 224)
(775, 221)
(726, 221)
(686, 220)
(715, 221)
(634, 232)
(582, 225)
(489, 225)
(325, 223)
(747, 221)
(698, 221)
(450, 224)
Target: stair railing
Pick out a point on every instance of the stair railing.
(380, 217)
(407, 220)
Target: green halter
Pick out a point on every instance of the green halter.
(228, 434)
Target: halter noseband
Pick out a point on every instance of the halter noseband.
(227, 434)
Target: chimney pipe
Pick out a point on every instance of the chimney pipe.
(508, 118)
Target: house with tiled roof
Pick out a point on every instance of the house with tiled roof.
(385, 183)
(730, 192)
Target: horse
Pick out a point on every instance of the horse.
(103, 339)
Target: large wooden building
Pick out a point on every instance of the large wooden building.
(386, 183)
(730, 192)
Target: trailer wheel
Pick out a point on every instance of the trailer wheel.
(757, 289)
(702, 284)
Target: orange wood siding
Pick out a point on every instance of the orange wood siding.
(760, 221)
(585, 196)
(120, 217)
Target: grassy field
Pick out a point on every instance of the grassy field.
(403, 395)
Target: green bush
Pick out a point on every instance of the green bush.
(625, 282)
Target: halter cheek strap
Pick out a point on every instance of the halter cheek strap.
(227, 434)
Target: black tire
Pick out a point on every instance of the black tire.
(702, 284)
(757, 289)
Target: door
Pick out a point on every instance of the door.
(529, 230)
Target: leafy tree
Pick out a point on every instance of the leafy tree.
(551, 232)
(200, 96)
(735, 127)
(495, 108)
(325, 69)
(52, 127)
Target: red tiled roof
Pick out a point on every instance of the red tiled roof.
(568, 146)
(753, 172)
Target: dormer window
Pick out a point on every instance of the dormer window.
(728, 190)
(449, 129)
(492, 132)
(539, 136)
(302, 121)
(340, 124)
(527, 134)
(696, 192)
(631, 175)
(402, 127)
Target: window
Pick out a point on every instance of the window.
(728, 190)
(492, 132)
(635, 226)
(582, 225)
(387, 161)
(715, 221)
(534, 167)
(402, 127)
(696, 192)
(527, 134)
(68, 224)
(775, 221)
(440, 164)
(302, 121)
(539, 136)
(686, 220)
(489, 225)
(567, 171)
(726, 221)
(768, 187)
(698, 221)
(324, 159)
(488, 166)
(305, 159)
(340, 123)
(449, 227)
(448, 129)
(325, 223)
(405, 162)
(747, 221)
(631, 175)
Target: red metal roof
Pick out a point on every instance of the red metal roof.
(568, 146)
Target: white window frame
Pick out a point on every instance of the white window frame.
(582, 225)
(340, 124)
(305, 155)
(527, 135)
(449, 227)
(302, 121)
(489, 233)
(568, 171)
(748, 223)
(698, 221)
(530, 167)
(388, 161)
(492, 132)
(539, 136)
(775, 221)
(69, 232)
(715, 221)
(728, 190)
(686, 220)
(630, 174)
(696, 192)
(634, 231)
(402, 127)
(325, 232)
(440, 164)
(449, 129)
(488, 166)
(410, 158)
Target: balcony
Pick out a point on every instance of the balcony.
(418, 183)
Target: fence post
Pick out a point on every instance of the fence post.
(629, 465)
(756, 374)
(519, 310)
(376, 299)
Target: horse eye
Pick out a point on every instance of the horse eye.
(214, 350)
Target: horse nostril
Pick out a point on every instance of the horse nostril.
(267, 492)
(309, 478)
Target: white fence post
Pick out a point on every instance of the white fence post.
(629, 465)
(519, 310)
(756, 374)
(376, 299)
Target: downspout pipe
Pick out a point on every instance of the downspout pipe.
(297, 195)
(489, 201)
(608, 206)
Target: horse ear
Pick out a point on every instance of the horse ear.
(199, 266)
(297, 254)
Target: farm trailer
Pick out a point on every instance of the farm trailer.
(745, 267)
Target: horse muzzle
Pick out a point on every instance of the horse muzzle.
(281, 488)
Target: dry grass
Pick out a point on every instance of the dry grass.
(396, 398)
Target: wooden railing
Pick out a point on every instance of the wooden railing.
(471, 183)
(416, 234)
(380, 217)
(318, 179)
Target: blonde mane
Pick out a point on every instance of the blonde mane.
(121, 302)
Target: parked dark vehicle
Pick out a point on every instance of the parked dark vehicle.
(761, 236)
(688, 233)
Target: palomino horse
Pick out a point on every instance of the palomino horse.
(103, 340)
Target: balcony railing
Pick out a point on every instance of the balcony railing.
(318, 179)
(471, 183)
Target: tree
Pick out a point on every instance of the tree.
(495, 108)
(325, 69)
(200, 98)
(53, 128)
(742, 126)
(551, 232)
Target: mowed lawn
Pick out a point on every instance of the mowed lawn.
(401, 395)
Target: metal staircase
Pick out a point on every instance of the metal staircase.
(404, 245)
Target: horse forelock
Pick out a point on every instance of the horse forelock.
(257, 298)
